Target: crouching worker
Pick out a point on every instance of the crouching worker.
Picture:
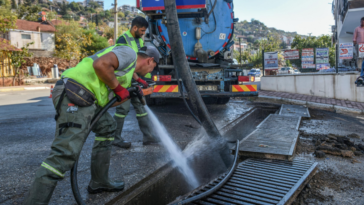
(78, 97)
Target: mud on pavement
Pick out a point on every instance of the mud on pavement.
(340, 178)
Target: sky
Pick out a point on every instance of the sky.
(303, 16)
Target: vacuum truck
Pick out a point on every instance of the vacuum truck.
(207, 28)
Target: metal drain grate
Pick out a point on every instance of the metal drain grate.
(259, 181)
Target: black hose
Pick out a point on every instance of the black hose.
(181, 63)
(208, 15)
(218, 186)
(73, 176)
(180, 85)
(212, 9)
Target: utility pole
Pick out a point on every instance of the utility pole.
(240, 50)
(115, 20)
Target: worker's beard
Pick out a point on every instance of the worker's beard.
(138, 34)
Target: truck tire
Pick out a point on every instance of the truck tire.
(210, 100)
(223, 101)
(159, 101)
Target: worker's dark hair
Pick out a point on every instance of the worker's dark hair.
(143, 55)
(139, 22)
(362, 19)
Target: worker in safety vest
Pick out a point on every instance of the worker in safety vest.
(78, 97)
(133, 38)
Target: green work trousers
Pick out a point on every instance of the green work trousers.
(67, 146)
(141, 114)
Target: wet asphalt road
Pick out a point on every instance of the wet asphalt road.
(27, 130)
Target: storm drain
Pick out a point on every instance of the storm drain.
(259, 181)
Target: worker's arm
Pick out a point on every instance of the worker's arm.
(104, 69)
(135, 76)
(355, 36)
(139, 80)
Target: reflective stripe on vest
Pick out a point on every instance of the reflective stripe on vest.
(134, 43)
(84, 73)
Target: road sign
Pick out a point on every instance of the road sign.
(270, 60)
(361, 50)
(308, 56)
(292, 54)
(346, 50)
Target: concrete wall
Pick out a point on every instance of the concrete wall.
(338, 86)
(42, 40)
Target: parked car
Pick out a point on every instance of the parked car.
(330, 70)
(255, 72)
(286, 70)
(296, 72)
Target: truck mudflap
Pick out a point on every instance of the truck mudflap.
(171, 91)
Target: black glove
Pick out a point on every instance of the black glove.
(138, 93)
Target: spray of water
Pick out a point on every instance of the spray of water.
(174, 151)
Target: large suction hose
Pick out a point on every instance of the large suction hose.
(74, 184)
(182, 65)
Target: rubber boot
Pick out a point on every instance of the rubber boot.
(40, 192)
(119, 141)
(100, 182)
(148, 137)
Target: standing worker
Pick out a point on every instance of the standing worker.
(133, 38)
(78, 97)
(359, 39)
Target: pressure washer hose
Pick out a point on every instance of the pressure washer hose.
(74, 184)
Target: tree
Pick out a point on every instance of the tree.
(97, 42)
(70, 41)
(121, 14)
(17, 59)
(288, 63)
(29, 13)
(51, 15)
(75, 7)
(7, 19)
(323, 41)
(93, 4)
(13, 4)
(64, 9)
(283, 45)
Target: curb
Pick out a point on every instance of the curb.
(336, 108)
(23, 88)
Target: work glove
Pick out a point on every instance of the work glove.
(121, 93)
(143, 82)
(138, 93)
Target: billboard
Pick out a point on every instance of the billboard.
(346, 50)
(361, 50)
(324, 66)
(154, 5)
(308, 66)
(270, 60)
(292, 54)
(322, 55)
(308, 56)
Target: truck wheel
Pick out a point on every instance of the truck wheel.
(223, 101)
(160, 101)
(150, 101)
(210, 100)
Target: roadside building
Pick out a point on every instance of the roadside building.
(347, 15)
(125, 8)
(6, 69)
(40, 33)
(243, 47)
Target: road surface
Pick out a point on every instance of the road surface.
(27, 129)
